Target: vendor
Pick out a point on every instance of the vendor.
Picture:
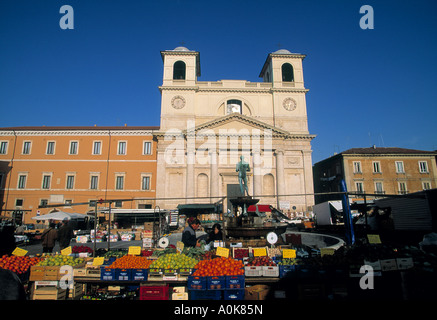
(189, 234)
(216, 233)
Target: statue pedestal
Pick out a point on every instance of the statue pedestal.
(243, 203)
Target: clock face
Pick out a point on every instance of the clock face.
(289, 104)
(178, 102)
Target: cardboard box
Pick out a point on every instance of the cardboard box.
(388, 265)
(404, 263)
(376, 265)
(148, 226)
(179, 296)
(256, 292)
(311, 291)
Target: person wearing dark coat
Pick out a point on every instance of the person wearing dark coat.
(65, 233)
(216, 233)
(7, 240)
(12, 288)
(189, 238)
(48, 238)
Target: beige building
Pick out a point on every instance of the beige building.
(207, 125)
(376, 171)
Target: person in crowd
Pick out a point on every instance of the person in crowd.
(12, 288)
(19, 230)
(7, 240)
(48, 238)
(65, 233)
(216, 234)
(189, 234)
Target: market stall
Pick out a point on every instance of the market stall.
(291, 271)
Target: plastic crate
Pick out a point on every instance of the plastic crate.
(270, 271)
(123, 274)
(287, 270)
(196, 283)
(235, 282)
(215, 282)
(148, 292)
(139, 274)
(107, 274)
(253, 271)
(233, 294)
(206, 294)
(307, 272)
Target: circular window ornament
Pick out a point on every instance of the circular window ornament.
(178, 102)
(289, 104)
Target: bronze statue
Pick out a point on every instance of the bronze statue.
(242, 168)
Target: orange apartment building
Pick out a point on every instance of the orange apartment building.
(53, 165)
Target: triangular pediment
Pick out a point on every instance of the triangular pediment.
(238, 123)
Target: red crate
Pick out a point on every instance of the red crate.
(159, 292)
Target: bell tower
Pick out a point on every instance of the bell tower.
(284, 71)
(181, 69)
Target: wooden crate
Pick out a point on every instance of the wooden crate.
(80, 272)
(47, 290)
(52, 273)
(76, 290)
(93, 273)
(49, 293)
(37, 273)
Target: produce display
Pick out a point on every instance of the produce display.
(208, 255)
(146, 252)
(19, 265)
(261, 261)
(81, 249)
(208, 276)
(240, 253)
(193, 252)
(114, 254)
(289, 262)
(60, 260)
(131, 262)
(174, 261)
(219, 267)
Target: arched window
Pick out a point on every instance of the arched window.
(179, 70)
(268, 184)
(287, 73)
(233, 106)
(202, 185)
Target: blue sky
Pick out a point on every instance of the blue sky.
(366, 86)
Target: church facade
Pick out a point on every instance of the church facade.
(206, 126)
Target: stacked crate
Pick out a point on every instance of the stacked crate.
(216, 288)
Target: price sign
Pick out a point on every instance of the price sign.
(289, 253)
(98, 261)
(19, 252)
(134, 250)
(327, 251)
(259, 252)
(222, 252)
(66, 251)
(374, 238)
(180, 246)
